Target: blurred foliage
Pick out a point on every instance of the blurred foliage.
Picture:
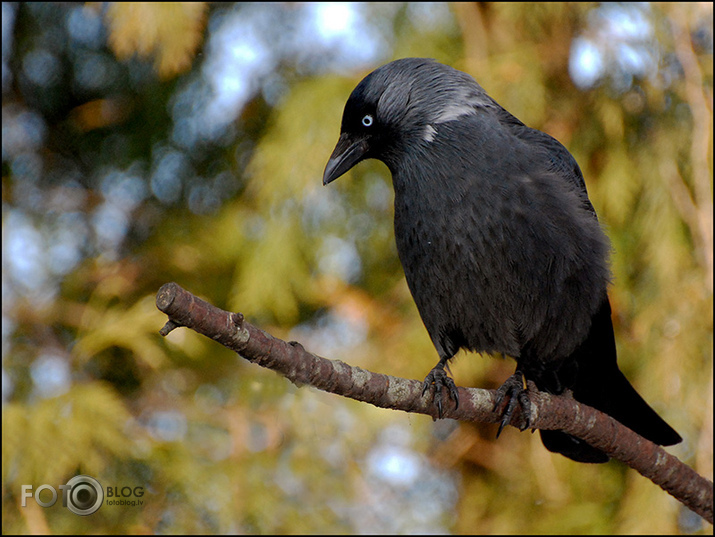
(124, 168)
(172, 31)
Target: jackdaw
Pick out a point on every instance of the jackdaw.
(499, 242)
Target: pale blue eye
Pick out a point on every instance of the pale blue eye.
(367, 120)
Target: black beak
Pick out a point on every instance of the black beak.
(346, 154)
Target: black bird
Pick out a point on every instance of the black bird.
(501, 247)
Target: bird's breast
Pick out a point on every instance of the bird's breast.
(497, 265)
(451, 255)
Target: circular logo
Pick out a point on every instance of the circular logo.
(86, 495)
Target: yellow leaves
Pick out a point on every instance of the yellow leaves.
(170, 31)
(48, 442)
(618, 187)
(104, 324)
(134, 328)
(290, 158)
(274, 274)
(611, 115)
(520, 90)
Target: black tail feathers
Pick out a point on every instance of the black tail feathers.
(596, 381)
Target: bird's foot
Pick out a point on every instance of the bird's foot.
(515, 389)
(439, 379)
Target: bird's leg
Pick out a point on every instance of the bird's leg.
(439, 379)
(515, 389)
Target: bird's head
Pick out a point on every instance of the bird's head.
(398, 106)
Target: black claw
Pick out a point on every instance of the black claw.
(454, 395)
(438, 379)
(516, 390)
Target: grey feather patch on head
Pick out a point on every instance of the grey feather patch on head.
(443, 94)
(407, 85)
(429, 133)
(462, 103)
(465, 104)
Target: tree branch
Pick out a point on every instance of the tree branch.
(550, 412)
